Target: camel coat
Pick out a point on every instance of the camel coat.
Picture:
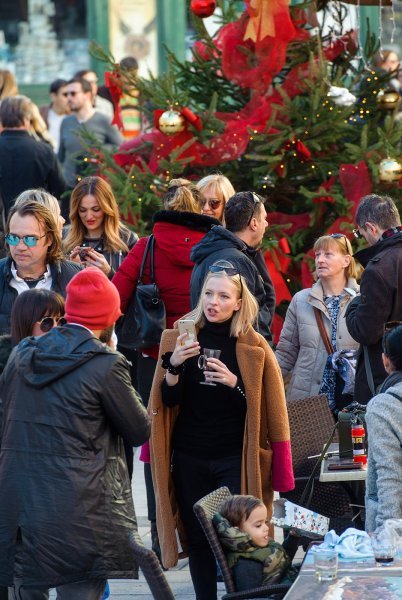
(301, 351)
(267, 460)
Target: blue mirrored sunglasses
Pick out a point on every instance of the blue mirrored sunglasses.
(29, 240)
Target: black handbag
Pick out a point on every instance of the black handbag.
(145, 318)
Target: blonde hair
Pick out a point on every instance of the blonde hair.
(112, 227)
(41, 196)
(343, 245)
(8, 84)
(218, 183)
(183, 195)
(38, 127)
(244, 318)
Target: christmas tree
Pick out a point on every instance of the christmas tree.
(276, 106)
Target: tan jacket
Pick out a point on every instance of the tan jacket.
(267, 461)
(301, 351)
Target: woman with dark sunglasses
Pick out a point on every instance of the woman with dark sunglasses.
(219, 421)
(384, 428)
(36, 312)
(303, 354)
(217, 190)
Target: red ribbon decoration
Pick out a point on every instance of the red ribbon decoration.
(112, 81)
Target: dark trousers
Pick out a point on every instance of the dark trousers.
(145, 374)
(194, 478)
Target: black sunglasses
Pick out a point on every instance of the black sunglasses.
(213, 203)
(47, 323)
(339, 236)
(231, 271)
(357, 234)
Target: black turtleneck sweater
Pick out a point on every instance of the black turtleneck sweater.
(211, 420)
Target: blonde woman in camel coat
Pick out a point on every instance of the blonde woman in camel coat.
(264, 460)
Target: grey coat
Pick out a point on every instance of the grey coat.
(384, 475)
(301, 352)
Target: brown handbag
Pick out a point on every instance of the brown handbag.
(324, 334)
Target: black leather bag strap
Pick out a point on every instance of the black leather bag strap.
(369, 373)
(149, 246)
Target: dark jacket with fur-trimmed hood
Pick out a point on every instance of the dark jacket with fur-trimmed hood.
(175, 233)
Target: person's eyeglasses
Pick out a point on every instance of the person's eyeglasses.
(339, 236)
(71, 93)
(213, 203)
(231, 271)
(357, 234)
(47, 323)
(29, 240)
(256, 200)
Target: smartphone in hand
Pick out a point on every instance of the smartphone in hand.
(188, 326)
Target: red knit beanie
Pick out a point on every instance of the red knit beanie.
(92, 300)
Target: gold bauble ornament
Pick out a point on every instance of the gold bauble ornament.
(171, 122)
(388, 99)
(390, 170)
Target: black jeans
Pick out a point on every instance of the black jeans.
(194, 478)
(145, 374)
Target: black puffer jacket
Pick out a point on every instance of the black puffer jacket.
(61, 273)
(221, 244)
(380, 301)
(65, 401)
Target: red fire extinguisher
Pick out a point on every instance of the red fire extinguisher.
(359, 442)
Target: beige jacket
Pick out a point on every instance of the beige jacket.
(267, 460)
(301, 352)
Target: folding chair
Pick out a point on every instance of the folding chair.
(311, 423)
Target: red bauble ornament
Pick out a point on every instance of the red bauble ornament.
(203, 8)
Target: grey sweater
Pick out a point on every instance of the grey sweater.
(72, 148)
(384, 476)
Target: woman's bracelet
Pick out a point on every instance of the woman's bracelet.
(166, 364)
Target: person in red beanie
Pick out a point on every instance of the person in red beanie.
(67, 404)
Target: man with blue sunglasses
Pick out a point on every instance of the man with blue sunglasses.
(35, 257)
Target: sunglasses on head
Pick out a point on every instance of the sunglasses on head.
(213, 203)
(256, 200)
(47, 323)
(231, 271)
(29, 240)
(339, 236)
